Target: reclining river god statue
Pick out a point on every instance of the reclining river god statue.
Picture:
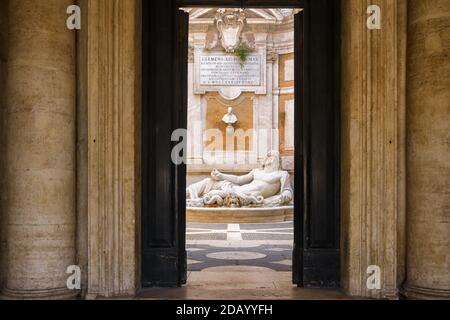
(268, 186)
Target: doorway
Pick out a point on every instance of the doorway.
(315, 253)
(240, 146)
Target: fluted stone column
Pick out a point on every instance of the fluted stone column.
(428, 151)
(40, 182)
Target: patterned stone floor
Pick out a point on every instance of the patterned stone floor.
(212, 246)
(240, 262)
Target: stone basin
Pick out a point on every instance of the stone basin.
(240, 215)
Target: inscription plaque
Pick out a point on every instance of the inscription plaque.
(227, 70)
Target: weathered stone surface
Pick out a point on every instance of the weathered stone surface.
(428, 149)
(39, 175)
(372, 147)
(110, 67)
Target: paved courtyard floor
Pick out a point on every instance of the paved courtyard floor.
(240, 262)
(266, 246)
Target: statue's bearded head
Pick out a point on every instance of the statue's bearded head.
(272, 161)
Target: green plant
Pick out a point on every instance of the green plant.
(242, 51)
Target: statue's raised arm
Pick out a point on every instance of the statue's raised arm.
(238, 180)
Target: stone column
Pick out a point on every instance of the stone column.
(428, 152)
(40, 183)
(3, 53)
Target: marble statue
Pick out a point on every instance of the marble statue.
(230, 118)
(268, 186)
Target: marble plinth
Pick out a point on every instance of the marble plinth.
(240, 215)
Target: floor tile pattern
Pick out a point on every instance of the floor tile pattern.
(246, 245)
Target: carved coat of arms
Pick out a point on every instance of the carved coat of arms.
(230, 23)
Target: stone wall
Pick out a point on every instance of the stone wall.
(261, 109)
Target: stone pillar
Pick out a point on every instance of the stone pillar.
(372, 147)
(111, 66)
(3, 53)
(40, 182)
(428, 152)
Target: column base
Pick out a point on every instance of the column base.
(419, 293)
(51, 294)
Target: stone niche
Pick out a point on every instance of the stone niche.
(243, 108)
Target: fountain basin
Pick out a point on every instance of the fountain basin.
(240, 215)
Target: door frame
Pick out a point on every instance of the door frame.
(307, 253)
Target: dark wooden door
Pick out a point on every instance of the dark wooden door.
(316, 247)
(164, 107)
(316, 258)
